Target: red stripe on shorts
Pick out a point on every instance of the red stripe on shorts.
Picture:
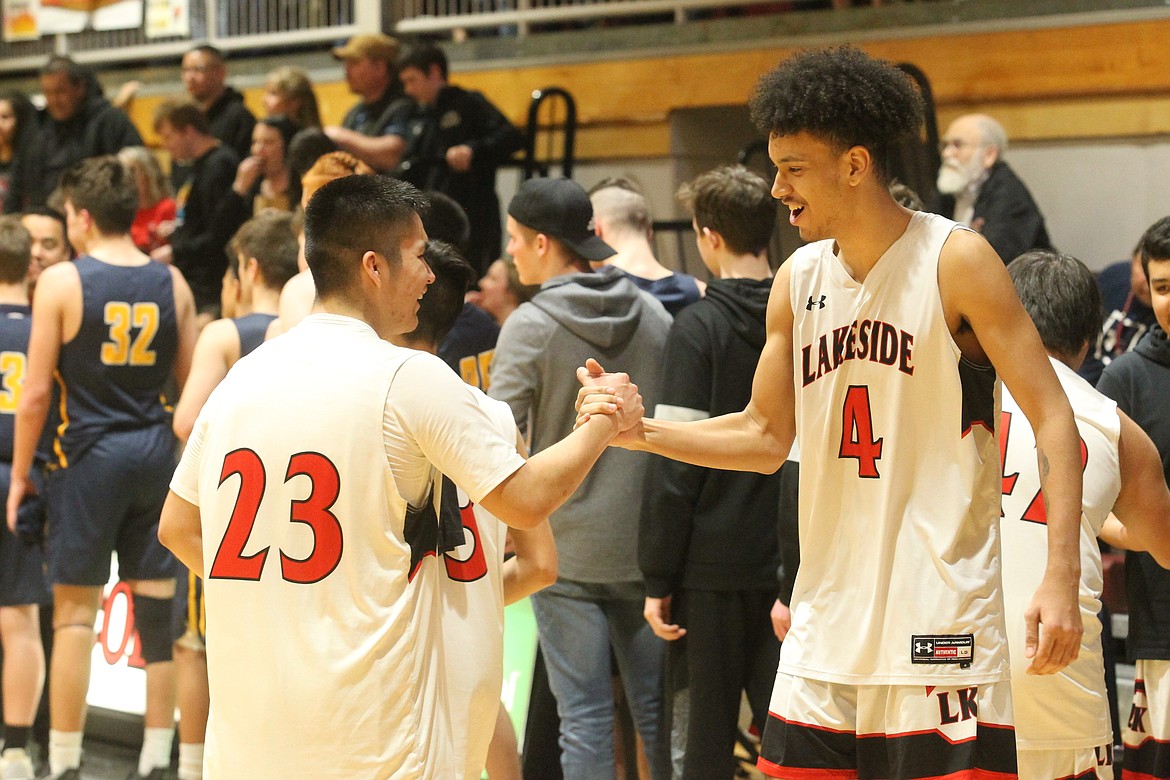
(801, 773)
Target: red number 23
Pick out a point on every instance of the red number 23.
(230, 561)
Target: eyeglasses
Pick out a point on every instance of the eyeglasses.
(958, 144)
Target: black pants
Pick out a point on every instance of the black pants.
(729, 649)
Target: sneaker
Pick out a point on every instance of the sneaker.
(15, 764)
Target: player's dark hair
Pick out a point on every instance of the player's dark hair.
(15, 250)
(842, 96)
(358, 214)
(445, 220)
(423, 57)
(105, 188)
(735, 203)
(1061, 296)
(1155, 244)
(181, 114)
(268, 237)
(440, 307)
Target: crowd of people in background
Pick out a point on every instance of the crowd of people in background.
(662, 590)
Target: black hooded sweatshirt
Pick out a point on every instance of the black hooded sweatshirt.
(1139, 381)
(706, 529)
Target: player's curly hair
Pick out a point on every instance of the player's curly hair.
(843, 96)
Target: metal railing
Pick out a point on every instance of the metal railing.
(515, 16)
(227, 24)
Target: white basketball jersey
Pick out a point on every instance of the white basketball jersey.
(899, 579)
(320, 647)
(1068, 709)
(472, 587)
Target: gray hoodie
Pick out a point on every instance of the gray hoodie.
(576, 316)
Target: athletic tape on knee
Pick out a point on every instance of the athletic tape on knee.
(152, 618)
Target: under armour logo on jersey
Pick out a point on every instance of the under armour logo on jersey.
(811, 303)
(922, 648)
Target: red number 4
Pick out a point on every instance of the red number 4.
(230, 562)
(857, 439)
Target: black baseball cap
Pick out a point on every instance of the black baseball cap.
(560, 208)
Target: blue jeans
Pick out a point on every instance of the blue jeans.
(578, 624)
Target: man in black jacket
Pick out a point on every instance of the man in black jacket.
(78, 122)
(976, 187)
(204, 74)
(206, 216)
(707, 542)
(455, 141)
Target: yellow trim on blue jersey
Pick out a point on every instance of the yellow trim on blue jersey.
(62, 461)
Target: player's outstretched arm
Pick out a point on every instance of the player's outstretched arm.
(55, 288)
(977, 289)
(208, 368)
(180, 529)
(531, 493)
(1143, 505)
(756, 439)
(534, 567)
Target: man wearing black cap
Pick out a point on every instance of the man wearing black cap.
(598, 597)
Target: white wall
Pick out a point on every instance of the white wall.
(1097, 197)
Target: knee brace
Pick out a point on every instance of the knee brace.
(152, 618)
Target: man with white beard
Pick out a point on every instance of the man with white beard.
(976, 187)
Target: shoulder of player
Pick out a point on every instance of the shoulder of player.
(56, 281)
(219, 337)
(971, 275)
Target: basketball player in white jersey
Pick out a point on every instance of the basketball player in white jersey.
(1062, 720)
(321, 623)
(475, 581)
(885, 341)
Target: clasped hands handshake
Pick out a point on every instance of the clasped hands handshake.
(603, 393)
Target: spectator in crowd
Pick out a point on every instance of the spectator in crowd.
(978, 188)
(204, 72)
(1139, 381)
(17, 119)
(500, 292)
(78, 123)
(208, 214)
(288, 91)
(707, 541)
(595, 607)
(156, 207)
(22, 580)
(455, 139)
(367, 131)
(621, 217)
(1125, 302)
(264, 179)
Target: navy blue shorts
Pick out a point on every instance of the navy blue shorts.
(22, 568)
(109, 501)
